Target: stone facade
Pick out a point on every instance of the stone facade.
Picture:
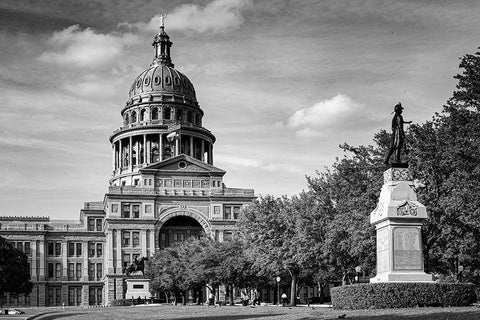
(164, 188)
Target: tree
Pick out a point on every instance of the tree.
(14, 270)
(283, 235)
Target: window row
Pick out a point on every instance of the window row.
(95, 271)
(22, 246)
(54, 249)
(95, 224)
(74, 271)
(131, 239)
(231, 212)
(157, 112)
(95, 249)
(74, 249)
(54, 270)
(131, 210)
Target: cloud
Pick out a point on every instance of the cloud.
(274, 166)
(341, 113)
(217, 16)
(85, 48)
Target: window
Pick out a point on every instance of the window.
(78, 271)
(71, 249)
(99, 271)
(58, 249)
(133, 117)
(27, 248)
(74, 296)
(114, 208)
(126, 239)
(50, 270)
(156, 80)
(91, 249)
(142, 115)
(167, 113)
(236, 212)
(227, 213)
(71, 271)
(189, 117)
(136, 238)
(58, 270)
(91, 271)
(136, 210)
(148, 208)
(79, 249)
(91, 224)
(99, 224)
(168, 81)
(154, 114)
(126, 210)
(126, 260)
(50, 248)
(99, 250)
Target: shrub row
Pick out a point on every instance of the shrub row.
(403, 295)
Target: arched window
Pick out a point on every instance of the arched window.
(142, 115)
(189, 117)
(179, 114)
(133, 117)
(125, 119)
(167, 113)
(155, 113)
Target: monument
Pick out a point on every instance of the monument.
(398, 218)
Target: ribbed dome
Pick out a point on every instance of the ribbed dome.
(162, 79)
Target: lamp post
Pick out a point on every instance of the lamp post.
(358, 269)
(278, 289)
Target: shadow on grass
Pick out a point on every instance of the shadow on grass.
(51, 316)
(466, 315)
(232, 317)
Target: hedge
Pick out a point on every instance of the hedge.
(403, 295)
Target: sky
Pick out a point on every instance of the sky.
(282, 84)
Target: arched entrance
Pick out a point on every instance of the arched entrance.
(178, 229)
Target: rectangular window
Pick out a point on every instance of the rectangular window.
(227, 213)
(71, 271)
(126, 238)
(79, 249)
(50, 270)
(71, 296)
(126, 260)
(136, 238)
(50, 249)
(99, 224)
(91, 271)
(99, 296)
(114, 208)
(58, 249)
(20, 246)
(91, 249)
(58, 296)
(125, 210)
(236, 212)
(27, 248)
(91, 224)
(148, 208)
(51, 302)
(99, 271)
(136, 210)
(71, 249)
(79, 296)
(58, 270)
(79, 271)
(99, 250)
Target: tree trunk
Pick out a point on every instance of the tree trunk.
(293, 290)
(166, 297)
(230, 291)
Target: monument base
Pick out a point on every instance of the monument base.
(402, 277)
(138, 288)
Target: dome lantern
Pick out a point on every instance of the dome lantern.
(162, 44)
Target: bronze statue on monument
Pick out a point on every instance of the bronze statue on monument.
(397, 141)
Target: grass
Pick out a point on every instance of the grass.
(240, 313)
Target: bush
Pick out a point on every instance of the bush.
(403, 295)
(122, 302)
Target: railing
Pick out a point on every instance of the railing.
(181, 192)
(98, 205)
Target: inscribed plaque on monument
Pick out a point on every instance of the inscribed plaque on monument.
(407, 253)
(382, 250)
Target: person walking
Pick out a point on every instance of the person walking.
(284, 299)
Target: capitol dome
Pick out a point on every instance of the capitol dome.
(161, 78)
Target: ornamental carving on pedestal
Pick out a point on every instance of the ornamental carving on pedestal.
(407, 209)
(379, 209)
(397, 174)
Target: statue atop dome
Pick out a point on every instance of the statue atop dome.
(162, 20)
(162, 44)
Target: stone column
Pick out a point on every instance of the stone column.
(130, 149)
(152, 242)
(143, 242)
(64, 261)
(109, 251)
(120, 154)
(160, 146)
(113, 156)
(177, 145)
(398, 219)
(85, 260)
(202, 150)
(119, 252)
(33, 266)
(144, 149)
(191, 146)
(148, 147)
(42, 261)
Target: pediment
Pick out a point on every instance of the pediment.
(183, 164)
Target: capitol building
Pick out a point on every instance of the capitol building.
(163, 189)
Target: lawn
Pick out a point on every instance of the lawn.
(238, 312)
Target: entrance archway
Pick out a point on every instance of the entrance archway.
(178, 229)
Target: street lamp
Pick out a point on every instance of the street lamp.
(278, 289)
(358, 269)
